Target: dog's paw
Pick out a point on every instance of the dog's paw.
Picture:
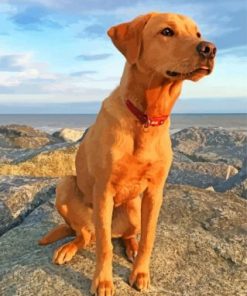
(140, 280)
(65, 253)
(102, 287)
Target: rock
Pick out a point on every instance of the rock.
(210, 176)
(68, 134)
(180, 157)
(52, 161)
(19, 196)
(210, 188)
(200, 249)
(22, 136)
(212, 145)
(239, 189)
(236, 183)
(231, 171)
(199, 174)
(209, 236)
(205, 158)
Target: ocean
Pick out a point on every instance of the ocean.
(51, 123)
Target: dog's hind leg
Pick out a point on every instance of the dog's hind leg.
(56, 234)
(131, 247)
(127, 224)
(78, 221)
(67, 251)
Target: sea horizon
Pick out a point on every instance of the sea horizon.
(173, 113)
(53, 122)
(183, 106)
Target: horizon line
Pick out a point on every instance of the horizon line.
(175, 113)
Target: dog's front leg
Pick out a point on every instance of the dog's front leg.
(151, 203)
(102, 283)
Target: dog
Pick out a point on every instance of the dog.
(124, 159)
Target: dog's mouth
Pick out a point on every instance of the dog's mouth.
(203, 70)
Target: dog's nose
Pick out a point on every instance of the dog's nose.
(206, 49)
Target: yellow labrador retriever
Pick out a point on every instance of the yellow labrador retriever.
(124, 159)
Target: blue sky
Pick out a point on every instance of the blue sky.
(58, 52)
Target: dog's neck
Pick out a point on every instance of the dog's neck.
(151, 93)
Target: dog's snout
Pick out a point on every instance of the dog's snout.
(206, 49)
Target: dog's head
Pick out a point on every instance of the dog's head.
(168, 44)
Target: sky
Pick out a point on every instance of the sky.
(57, 53)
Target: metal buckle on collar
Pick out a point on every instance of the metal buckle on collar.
(147, 121)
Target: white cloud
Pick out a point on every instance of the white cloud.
(23, 75)
(19, 68)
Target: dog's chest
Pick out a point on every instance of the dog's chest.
(130, 178)
(137, 162)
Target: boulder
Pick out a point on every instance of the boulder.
(52, 161)
(236, 183)
(22, 136)
(21, 195)
(211, 176)
(69, 134)
(200, 174)
(200, 249)
(211, 145)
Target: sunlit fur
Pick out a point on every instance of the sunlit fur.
(178, 52)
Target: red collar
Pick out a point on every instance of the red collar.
(144, 118)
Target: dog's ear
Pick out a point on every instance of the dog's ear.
(127, 37)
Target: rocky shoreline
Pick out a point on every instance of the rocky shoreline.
(201, 239)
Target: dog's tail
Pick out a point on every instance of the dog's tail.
(56, 234)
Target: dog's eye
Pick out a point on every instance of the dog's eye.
(199, 35)
(167, 32)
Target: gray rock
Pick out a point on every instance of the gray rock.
(236, 183)
(22, 136)
(180, 157)
(69, 134)
(205, 157)
(21, 195)
(198, 174)
(200, 249)
(212, 145)
(239, 189)
(11, 155)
